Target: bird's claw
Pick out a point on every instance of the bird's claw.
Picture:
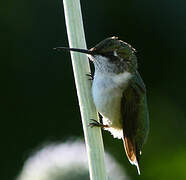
(91, 77)
(95, 123)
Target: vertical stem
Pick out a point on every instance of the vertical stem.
(93, 137)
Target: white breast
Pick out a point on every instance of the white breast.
(107, 92)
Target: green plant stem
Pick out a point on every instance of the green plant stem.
(93, 136)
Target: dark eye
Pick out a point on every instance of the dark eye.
(111, 56)
(107, 54)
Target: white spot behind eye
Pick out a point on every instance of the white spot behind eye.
(115, 53)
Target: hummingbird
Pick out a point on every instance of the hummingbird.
(119, 94)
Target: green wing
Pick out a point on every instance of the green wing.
(135, 118)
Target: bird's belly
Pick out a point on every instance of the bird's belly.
(107, 100)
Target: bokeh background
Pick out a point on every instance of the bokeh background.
(38, 97)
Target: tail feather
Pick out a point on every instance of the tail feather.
(130, 149)
(136, 163)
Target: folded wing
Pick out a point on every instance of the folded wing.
(135, 119)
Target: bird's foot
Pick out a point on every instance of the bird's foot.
(95, 123)
(91, 77)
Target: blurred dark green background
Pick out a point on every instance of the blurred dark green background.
(38, 97)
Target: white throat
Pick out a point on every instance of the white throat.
(111, 79)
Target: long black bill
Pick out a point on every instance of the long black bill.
(74, 49)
